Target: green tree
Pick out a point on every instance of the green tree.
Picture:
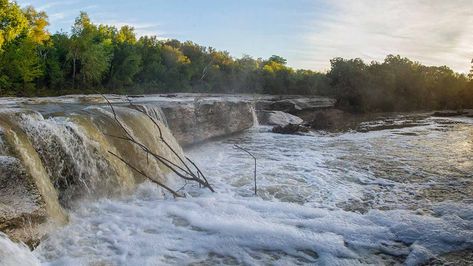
(12, 21)
(21, 58)
(152, 66)
(89, 52)
(126, 61)
(277, 59)
(248, 78)
(32, 62)
(126, 34)
(176, 75)
(19, 67)
(348, 78)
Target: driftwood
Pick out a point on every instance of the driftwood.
(186, 172)
(254, 158)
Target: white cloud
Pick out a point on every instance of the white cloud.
(434, 32)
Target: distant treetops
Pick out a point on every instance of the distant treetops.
(104, 58)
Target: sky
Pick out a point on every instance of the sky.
(308, 33)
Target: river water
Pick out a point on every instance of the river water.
(382, 197)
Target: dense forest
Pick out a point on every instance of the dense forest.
(102, 58)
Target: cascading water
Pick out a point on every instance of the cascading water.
(30, 171)
(254, 116)
(52, 162)
(152, 110)
(383, 197)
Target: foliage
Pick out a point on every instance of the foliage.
(397, 84)
(12, 21)
(108, 59)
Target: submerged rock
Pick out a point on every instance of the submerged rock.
(290, 129)
(277, 118)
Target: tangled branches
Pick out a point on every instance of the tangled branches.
(188, 171)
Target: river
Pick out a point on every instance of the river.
(397, 196)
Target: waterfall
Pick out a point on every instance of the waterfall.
(255, 117)
(52, 162)
(26, 186)
(154, 111)
(57, 152)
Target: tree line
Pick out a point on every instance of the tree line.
(102, 58)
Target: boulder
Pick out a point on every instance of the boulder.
(195, 122)
(277, 118)
(290, 129)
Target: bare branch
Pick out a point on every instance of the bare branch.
(174, 193)
(184, 172)
(245, 150)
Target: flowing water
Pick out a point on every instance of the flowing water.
(382, 197)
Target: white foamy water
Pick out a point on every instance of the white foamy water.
(384, 197)
(14, 254)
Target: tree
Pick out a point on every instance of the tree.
(37, 23)
(277, 59)
(248, 77)
(127, 35)
(19, 67)
(12, 22)
(126, 60)
(152, 66)
(88, 52)
(21, 58)
(348, 78)
(101, 57)
(176, 75)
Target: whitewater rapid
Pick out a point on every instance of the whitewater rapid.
(382, 197)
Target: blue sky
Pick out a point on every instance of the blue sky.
(307, 33)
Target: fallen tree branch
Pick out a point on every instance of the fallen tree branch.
(184, 172)
(203, 182)
(174, 193)
(254, 158)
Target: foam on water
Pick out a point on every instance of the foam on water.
(13, 254)
(388, 196)
(223, 228)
